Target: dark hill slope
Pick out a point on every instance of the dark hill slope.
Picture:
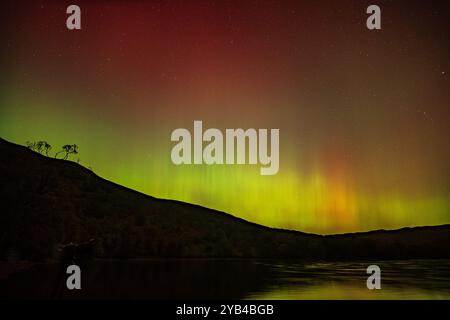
(46, 202)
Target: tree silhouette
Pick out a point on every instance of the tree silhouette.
(68, 149)
(39, 146)
(46, 147)
(43, 147)
(31, 145)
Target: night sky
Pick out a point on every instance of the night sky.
(364, 116)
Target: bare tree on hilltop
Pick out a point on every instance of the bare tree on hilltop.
(43, 147)
(40, 147)
(68, 149)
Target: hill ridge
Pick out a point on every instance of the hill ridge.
(49, 201)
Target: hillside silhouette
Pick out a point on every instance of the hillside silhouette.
(48, 202)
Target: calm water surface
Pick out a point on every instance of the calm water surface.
(233, 279)
(408, 279)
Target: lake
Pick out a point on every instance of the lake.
(233, 279)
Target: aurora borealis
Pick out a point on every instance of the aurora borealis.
(364, 116)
